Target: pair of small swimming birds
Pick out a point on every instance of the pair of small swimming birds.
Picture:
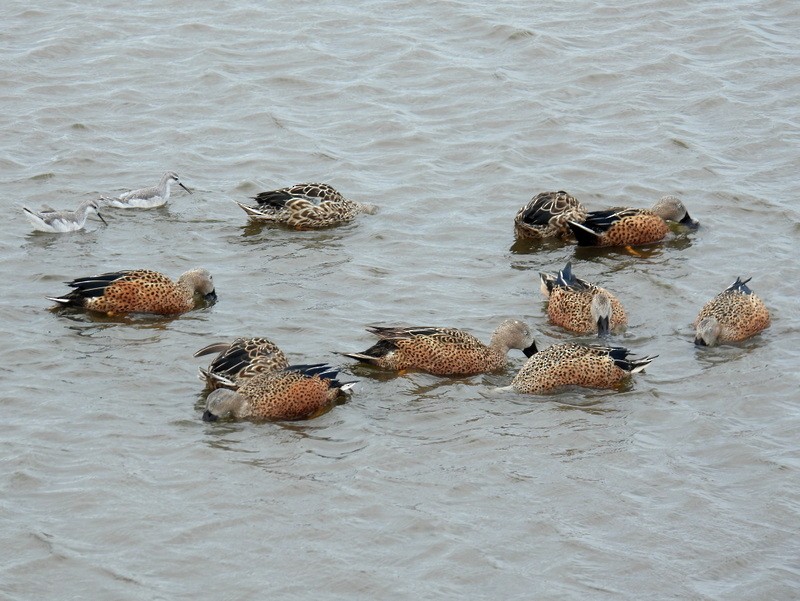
(50, 220)
(561, 215)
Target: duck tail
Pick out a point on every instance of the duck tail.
(583, 234)
(740, 286)
(619, 354)
(638, 365)
(61, 300)
(362, 357)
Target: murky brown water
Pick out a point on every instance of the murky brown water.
(448, 115)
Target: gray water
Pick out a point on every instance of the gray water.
(449, 116)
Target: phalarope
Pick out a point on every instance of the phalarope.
(48, 219)
(147, 198)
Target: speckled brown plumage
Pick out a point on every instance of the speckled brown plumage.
(297, 392)
(444, 351)
(576, 365)
(733, 315)
(139, 291)
(579, 306)
(241, 359)
(305, 206)
(547, 215)
(630, 227)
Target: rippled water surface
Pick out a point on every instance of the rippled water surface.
(449, 116)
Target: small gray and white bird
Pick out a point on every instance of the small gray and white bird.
(147, 198)
(49, 220)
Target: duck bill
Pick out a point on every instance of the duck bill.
(209, 417)
(184, 187)
(603, 326)
(689, 222)
(698, 341)
(211, 297)
(530, 351)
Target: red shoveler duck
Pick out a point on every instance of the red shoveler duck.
(444, 351)
(139, 291)
(733, 315)
(573, 364)
(631, 227)
(579, 306)
(294, 393)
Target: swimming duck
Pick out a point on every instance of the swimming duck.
(444, 351)
(630, 227)
(547, 215)
(734, 314)
(296, 392)
(579, 306)
(139, 291)
(305, 206)
(573, 364)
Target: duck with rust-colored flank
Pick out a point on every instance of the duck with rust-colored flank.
(239, 360)
(631, 227)
(547, 215)
(296, 392)
(579, 306)
(305, 206)
(139, 291)
(573, 364)
(733, 315)
(444, 351)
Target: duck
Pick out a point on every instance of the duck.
(547, 215)
(572, 364)
(580, 307)
(305, 207)
(444, 351)
(49, 220)
(294, 393)
(735, 314)
(139, 291)
(147, 198)
(629, 226)
(241, 359)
